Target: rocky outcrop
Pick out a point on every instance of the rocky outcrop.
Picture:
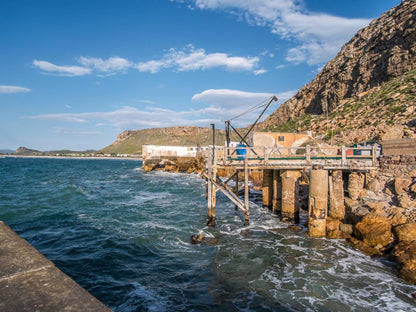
(175, 164)
(383, 50)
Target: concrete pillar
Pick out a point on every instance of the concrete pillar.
(355, 184)
(267, 188)
(318, 202)
(290, 191)
(336, 196)
(277, 192)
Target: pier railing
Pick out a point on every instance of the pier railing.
(332, 157)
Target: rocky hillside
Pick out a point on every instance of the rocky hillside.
(373, 73)
(131, 141)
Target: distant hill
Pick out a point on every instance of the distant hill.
(368, 86)
(131, 141)
(26, 151)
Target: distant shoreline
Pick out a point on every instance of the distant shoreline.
(71, 157)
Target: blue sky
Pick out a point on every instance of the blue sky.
(74, 74)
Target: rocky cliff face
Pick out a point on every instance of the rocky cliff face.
(383, 50)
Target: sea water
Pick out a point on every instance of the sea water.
(124, 235)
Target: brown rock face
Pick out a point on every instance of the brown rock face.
(374, 229)
(383, 50)
(405, 254)
(406, 232)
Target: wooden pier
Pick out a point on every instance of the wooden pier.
(282, 167)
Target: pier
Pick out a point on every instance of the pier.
(282, 167)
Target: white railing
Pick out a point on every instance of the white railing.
(340, 156)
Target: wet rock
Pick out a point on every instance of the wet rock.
(405, 232)
(367, 249)
(346, 228)
(405, 255)
(374, 229)
(197, 238)
(337, 234)
(332, 224)
(295, 228)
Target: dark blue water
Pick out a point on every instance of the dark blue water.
(124, 236)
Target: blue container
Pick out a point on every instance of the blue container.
(241, 151)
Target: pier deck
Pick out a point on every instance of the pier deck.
(282, 167)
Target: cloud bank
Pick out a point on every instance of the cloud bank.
(218, 105)
(187, 59)
(317, 36)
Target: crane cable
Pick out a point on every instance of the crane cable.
(255, 107)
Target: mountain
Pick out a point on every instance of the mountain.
(370, 84)
(131, 141)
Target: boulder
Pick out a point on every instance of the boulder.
(405, 201)
(367, 249)
(413, 188)
(374, 229)
(397, 218)
(405, 232)
(401, 185)
(377, 207)
(332, 224)
(405, 255)
(197, 238)
(346, 228)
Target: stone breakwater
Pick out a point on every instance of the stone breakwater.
(378, 213)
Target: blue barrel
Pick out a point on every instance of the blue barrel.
(241, 151)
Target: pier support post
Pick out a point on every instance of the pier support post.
(267, 188)
(277, 192)
(290, 191)
(212, 196)
(236, 187)
(318, 202)
(336, 196)
(246, 193)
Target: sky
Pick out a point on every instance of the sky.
(74, 74)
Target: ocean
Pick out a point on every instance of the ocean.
(124, 235)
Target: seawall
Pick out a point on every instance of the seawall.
(30, 282)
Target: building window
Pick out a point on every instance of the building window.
(281, 138)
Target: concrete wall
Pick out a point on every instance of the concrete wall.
(271, 139)
(399, 147)
(162, 151)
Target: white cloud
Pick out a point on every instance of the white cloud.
(260, 72)
(318, 36)
(111, 65)
(61, 70)
(66, 131)
(13, 89)
(225, 104)
(197, 59)
(216, 106)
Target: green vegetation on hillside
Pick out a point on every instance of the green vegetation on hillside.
(392, 103)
